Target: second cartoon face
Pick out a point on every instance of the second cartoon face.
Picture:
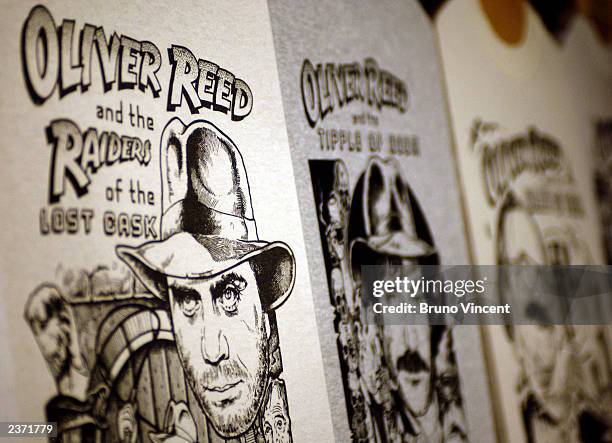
(221, 336)
(410, 360)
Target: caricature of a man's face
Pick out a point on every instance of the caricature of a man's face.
(52, 338)
(50, 322)
(220, 331)
(537, 346)
(370, 360)
(410, 355)
(350, 351)
(335, 229)
(448, 391)
(337, 286)
(276, 422)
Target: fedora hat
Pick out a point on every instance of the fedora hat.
(382, 219)
(179, 425)
(209, 227)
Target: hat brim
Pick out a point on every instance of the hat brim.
(193, 256)
(398, 244)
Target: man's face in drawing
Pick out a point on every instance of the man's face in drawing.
(276, 422)
(53, 340)
(50, 321)
(538, 345)
(335, 227)
(220, 331)
(538, 348)
(410, 358)
(349, 346)
(370, 360)
(339, 294)
(448, 391)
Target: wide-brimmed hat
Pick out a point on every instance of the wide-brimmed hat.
(179, 425)
(211, 228)
(382, 220)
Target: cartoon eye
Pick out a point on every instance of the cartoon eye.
(280, 423)
(268, 432)
(189, 301)
(189, 306)
(229, 299)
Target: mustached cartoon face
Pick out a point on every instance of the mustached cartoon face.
(220, 331)
(410, 358)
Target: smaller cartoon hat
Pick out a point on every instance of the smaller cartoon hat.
(382, 221)
(212, 229)
(179, 425)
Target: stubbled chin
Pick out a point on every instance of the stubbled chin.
(229, 415)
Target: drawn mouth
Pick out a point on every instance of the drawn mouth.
(458, 432)
(222, 388)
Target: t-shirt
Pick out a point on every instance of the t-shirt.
(525, 174)
(589, 63)
(151, 230)
(371, 151)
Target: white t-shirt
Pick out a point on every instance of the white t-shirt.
(63, 263)
(589, 64)
(528, 193)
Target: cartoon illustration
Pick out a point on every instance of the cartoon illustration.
(127, 424)
(276, 420)
(409, 356)
(179, 426)
(447, 387)
(189, 350)
(52, 322)
(560, 398)
(393, 387)
(603, 180)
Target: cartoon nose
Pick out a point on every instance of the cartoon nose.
(214, 345)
